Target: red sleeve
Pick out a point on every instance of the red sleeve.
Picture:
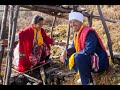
(46, 38)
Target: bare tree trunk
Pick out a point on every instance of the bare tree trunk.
(107, 33)
(3, 29)
(10, 53)
(53, 26)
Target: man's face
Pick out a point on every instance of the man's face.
(39, 25)
(75, 24)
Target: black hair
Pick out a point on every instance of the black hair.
(36, 19)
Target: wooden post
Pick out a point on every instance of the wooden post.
(74, 8)
(10, 23)
(43, 76)
(107, 33)
(3, 29)
(68, 35)
(10, 53)
(53, 26)
(11, 8)
(90, 19)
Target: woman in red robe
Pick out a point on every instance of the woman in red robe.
(33, 46)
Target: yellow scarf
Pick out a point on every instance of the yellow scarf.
(76, 38)
(38, 39)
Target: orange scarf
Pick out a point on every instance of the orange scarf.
(76, 38)
(38, 39)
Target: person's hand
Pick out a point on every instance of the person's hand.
(63, 56)
(4, 42)
(61, 43)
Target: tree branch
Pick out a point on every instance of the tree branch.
(61, 12)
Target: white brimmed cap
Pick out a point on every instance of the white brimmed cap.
(76, 15)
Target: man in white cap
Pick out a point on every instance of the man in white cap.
(87, 53)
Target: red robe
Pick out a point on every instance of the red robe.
(26, 38)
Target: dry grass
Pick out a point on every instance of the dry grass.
(106, 78)
(109, 11)
(114, 75)
(60, 31)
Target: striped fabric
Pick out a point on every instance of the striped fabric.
(95, 62)
(38, 55)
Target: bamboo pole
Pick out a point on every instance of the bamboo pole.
(107, 33)
(10, 53)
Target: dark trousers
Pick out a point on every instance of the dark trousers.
(83, 65)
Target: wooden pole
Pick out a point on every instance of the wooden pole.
(19, 10)
(53, 26)
(3, 29)
(68, 35)
(32, 78)
(10, 53)
(11, 9)
(107, 33)
(90, 19)
(43, 75)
